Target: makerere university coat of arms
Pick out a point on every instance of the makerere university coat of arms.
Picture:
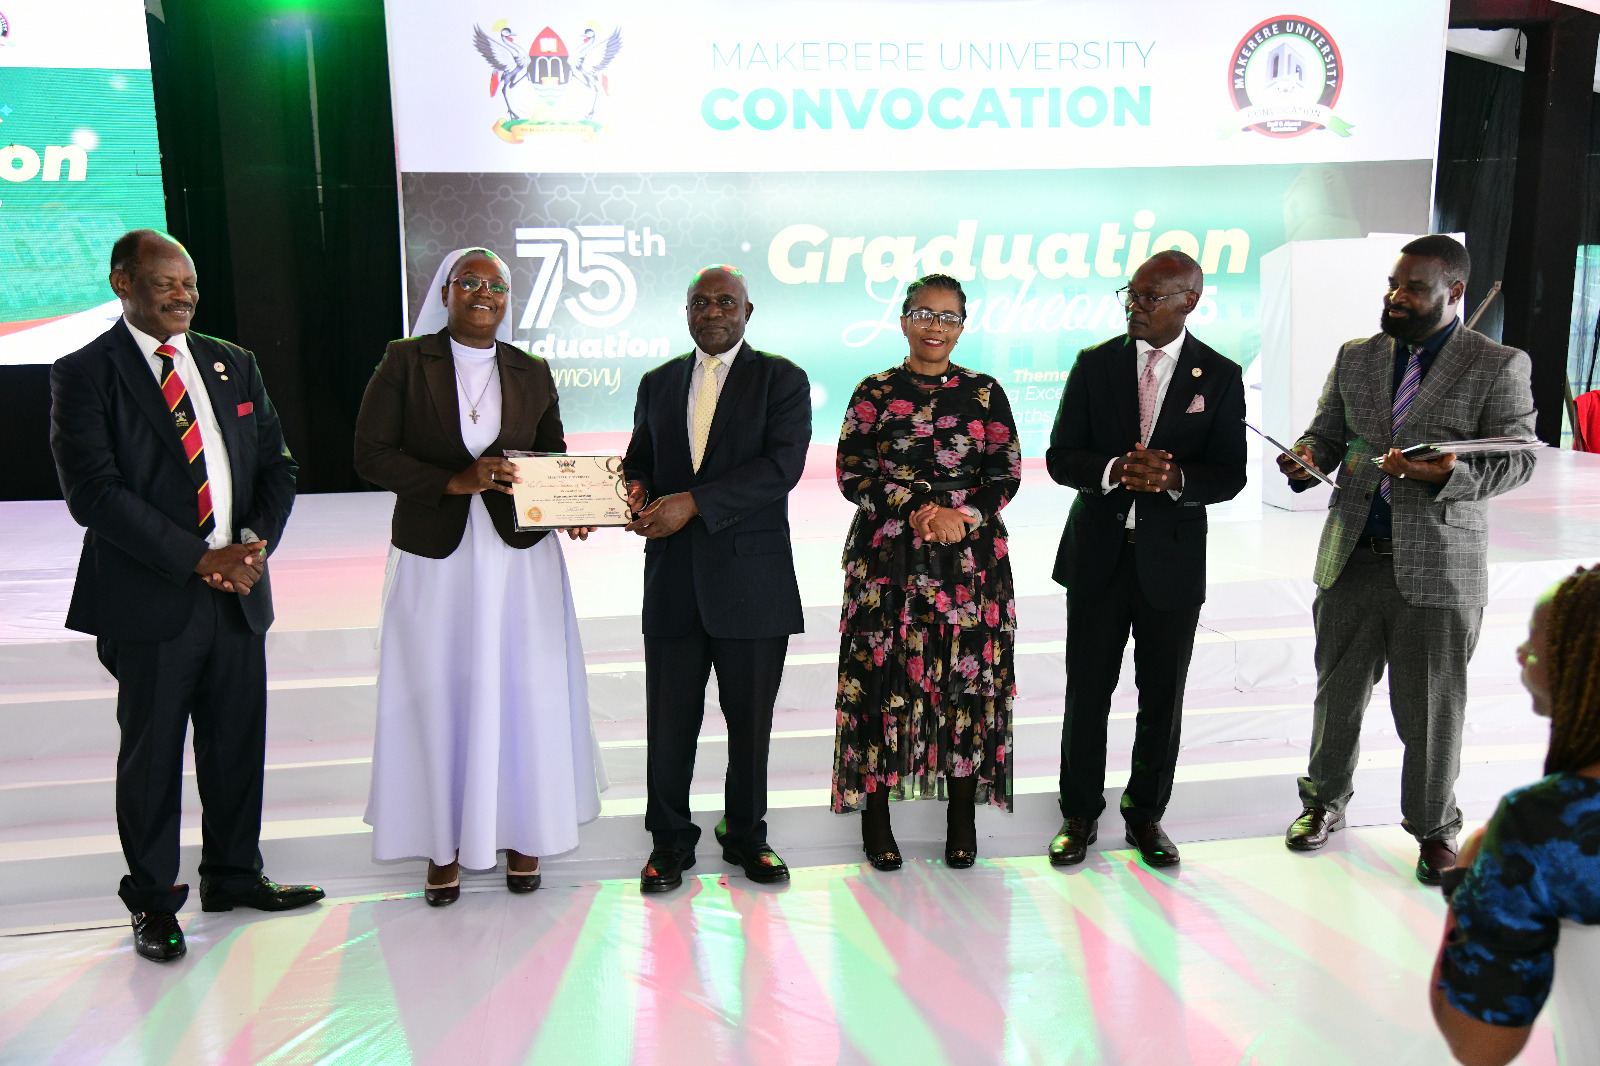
(545, 89)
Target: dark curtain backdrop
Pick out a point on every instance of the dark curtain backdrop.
(279, 166)
(1477, 169)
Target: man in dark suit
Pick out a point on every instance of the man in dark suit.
(1150, 431)
(171, 454)
(719, 440)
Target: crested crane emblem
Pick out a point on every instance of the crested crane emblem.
(543, 87)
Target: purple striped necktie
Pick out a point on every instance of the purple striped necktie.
(1410, 382)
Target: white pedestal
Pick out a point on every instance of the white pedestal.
(1315, 295)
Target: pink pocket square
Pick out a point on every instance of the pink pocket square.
(1196, 405)
(249, 405)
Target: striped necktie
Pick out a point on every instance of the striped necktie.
(1410, 382)
(188, 427)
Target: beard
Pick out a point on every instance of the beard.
(1412, 327)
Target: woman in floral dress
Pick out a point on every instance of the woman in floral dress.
(929, 455)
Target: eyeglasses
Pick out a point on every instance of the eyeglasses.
(468, 283)
(925, 319)
(1145, 301)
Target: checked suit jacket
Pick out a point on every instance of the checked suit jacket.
(1475, 388)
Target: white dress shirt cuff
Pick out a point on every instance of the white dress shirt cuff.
(1105, 478)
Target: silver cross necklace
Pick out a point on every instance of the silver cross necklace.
(473, 413)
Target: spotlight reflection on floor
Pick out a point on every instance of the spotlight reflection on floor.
(1248, 954)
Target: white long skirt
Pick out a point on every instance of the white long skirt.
(484, 740)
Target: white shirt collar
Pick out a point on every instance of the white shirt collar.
(727, 357)
(1170, 351)
(148, 344)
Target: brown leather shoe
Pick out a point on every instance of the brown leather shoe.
(1155, 847)
(1071, 844)
(1310, 831)
(1437, 856)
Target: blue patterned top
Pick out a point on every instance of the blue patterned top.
(1540, 863)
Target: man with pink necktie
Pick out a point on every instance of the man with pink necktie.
(1150, 431)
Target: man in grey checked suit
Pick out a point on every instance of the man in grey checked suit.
(1402, 570)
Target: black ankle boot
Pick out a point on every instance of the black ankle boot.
(877, 838)
(961, 830)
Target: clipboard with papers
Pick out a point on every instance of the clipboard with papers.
(1478, 446)
(1286, 450)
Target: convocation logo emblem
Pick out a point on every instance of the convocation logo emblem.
(543, 87)
(1284, 79)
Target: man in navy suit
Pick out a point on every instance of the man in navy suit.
(719, 440)
(171, 454)
(1150, 431)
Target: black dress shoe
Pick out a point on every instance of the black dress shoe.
(1437, 857)
(1071, 844)
(442, 895)
(1155, 847)
(1310, 831)
(520, 883)
(887, 860)
(959, 858)
(264, 895)
(760, 864)
(157, 936)
(663, 871)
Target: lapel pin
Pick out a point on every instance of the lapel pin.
(219, 366)
(224, 377)
(1195, 371)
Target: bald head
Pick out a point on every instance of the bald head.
(131, 246)
(1160, 296)
(719, 307)
(732, 272)
(1179, 266)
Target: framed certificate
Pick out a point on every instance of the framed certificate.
(560, 490)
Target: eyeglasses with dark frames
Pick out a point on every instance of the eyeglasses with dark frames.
(1145, 301)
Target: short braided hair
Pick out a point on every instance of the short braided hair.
(1573, 631)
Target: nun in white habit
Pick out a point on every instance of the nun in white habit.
(484, 741)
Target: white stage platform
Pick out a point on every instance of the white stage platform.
(1245, 732)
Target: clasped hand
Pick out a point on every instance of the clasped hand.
(495, 473)
(233, 567)
(1147, 470)
(662, 518)
(941, 525)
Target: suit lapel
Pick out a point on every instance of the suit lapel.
(740, 377)
(144, 389)
(1452, 360)
(674, 442)
(513, 395)
(218, 394)
(1180, 390)
(439, 371)
(1381, 376)
(1125, 388)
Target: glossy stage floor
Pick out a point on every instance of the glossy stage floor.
(1246, 954)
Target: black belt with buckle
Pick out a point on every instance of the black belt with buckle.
(1378, 545)
(952, 485)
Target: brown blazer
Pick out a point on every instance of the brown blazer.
(408, 439)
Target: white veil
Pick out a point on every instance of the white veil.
(433, 316)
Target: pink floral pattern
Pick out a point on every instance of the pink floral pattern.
(927, 632)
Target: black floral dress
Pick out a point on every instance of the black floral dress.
(926, 681)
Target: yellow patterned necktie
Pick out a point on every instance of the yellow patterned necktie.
(705, 406)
